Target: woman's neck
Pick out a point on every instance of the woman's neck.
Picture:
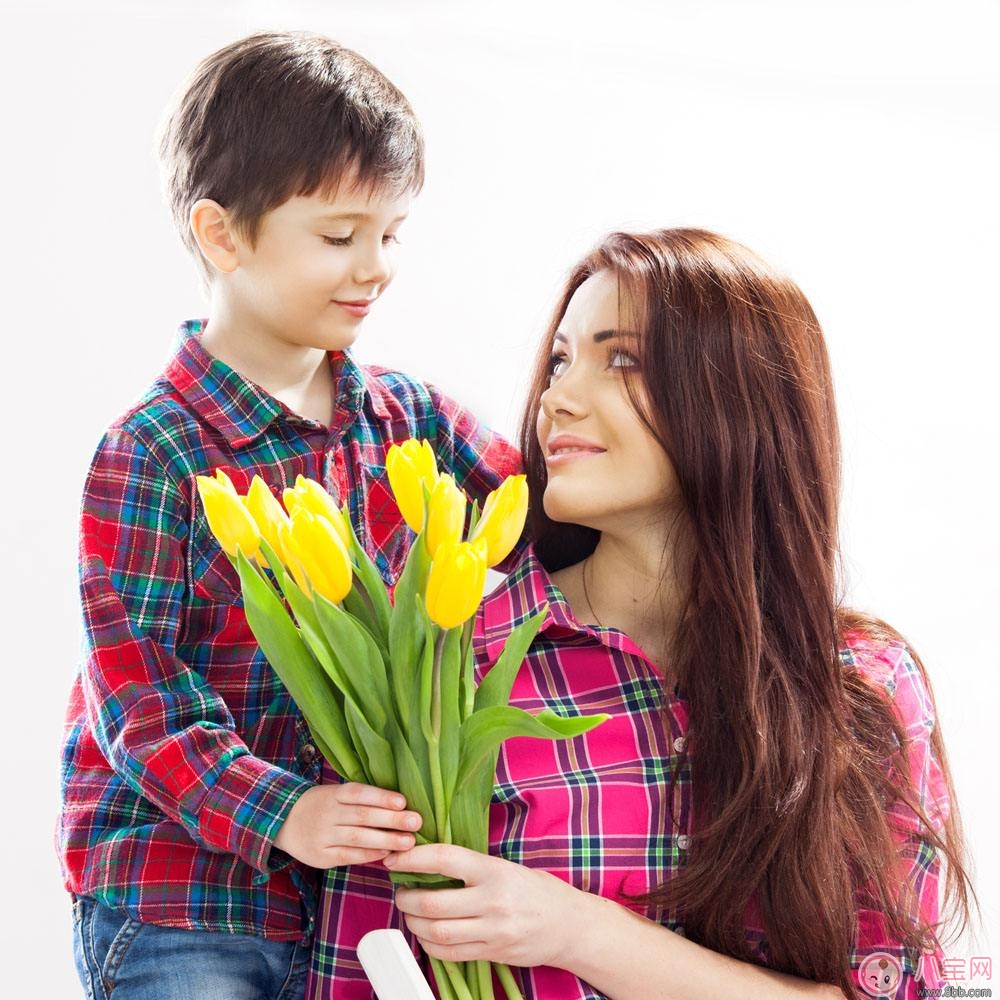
(635, 584)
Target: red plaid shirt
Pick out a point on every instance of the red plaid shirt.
(183, 753)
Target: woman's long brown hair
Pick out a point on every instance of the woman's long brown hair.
(796, 759)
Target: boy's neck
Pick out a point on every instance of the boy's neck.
(300, 377)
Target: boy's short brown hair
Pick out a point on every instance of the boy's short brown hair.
(281, 114)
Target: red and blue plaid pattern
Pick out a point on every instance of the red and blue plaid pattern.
(183, 752)
(597, 810)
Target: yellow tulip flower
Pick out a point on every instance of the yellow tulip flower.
(503, 518)
(316, 556)
(268, 514)
(411, 466)
(223, 480)
(228, 517)
(310, 496)
(445, 514)
(455, 582)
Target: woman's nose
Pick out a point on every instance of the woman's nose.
(563, 396)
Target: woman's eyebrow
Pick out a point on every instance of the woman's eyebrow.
(601, 336)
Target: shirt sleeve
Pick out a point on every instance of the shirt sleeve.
(162, 727)
(919, 863)
(478, 458)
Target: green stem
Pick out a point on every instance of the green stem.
(484, 979)
(507, 981)
(456, 980)
(468, 671)
(441, 978)
(434, 741)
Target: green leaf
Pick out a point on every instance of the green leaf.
(371, 579)
(494, 689)
(484, 731)
(305, 615)
(296, 667)
(474, 514)
(414, 781)
(378, 750)
(359, 658)
(404, 637)
(470, 807)
(359, 604)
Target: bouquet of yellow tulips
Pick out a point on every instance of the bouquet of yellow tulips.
(388, 687)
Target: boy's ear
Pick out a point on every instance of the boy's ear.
(211, 226)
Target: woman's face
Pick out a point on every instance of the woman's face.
(605, 469)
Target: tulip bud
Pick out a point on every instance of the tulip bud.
(503, 518)
(310, 496)
(411, 466)
(455, 582)
(268, 515)
(223, 479)
(445, 514)
(227, 516)
(316, 556)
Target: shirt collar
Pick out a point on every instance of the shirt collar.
(241, 410)
(524, 592)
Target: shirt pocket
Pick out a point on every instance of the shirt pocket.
(387, 535)
(212, 576)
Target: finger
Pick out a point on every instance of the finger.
(443, 859)
(386, 819)
(440, 904)
(449, 933)
(475, 952)
(336, 857)
(356, 793)
(370, 839)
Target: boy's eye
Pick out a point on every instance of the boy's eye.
(390, 239)
(338, 241)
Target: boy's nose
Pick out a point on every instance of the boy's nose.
(373, 268)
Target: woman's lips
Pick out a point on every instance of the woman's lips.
(562, 457)
(358, 309)
(565, 448)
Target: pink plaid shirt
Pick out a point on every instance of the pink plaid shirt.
(597, 810)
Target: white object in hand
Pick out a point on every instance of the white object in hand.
(391, 968)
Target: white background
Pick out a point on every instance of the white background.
(853, 143)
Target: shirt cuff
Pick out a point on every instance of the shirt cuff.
(245, 809)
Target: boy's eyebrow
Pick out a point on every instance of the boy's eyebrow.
(602, 335)
(352, 217)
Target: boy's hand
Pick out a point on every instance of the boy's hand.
(352, 824)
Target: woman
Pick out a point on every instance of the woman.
(771, 786)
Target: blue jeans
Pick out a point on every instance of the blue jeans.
(122, 958)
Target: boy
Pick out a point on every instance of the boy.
(192, 823)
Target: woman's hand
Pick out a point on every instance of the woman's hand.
(506, 912)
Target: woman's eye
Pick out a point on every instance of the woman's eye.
(622, 359)
(390, 239)
(338, 241)
(556, 365)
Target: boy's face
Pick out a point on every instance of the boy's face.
(317, 266)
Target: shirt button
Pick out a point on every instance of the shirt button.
(683, 841)
(680, 743)
(308, 753)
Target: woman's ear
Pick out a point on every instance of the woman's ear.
(212, 228)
